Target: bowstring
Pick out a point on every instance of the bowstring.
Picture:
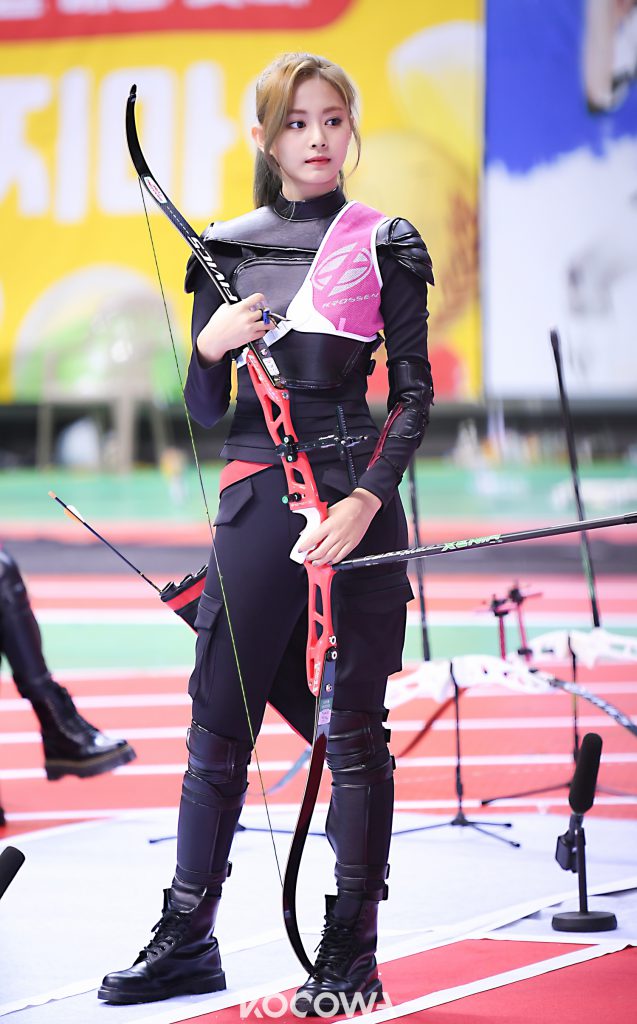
(212, 537)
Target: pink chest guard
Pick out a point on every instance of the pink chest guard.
(341, 292)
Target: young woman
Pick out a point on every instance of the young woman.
(339, 273)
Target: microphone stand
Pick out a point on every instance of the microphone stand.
(571, 856)
(460, 819)
(585, 550)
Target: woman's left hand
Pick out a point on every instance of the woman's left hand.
(346, 525)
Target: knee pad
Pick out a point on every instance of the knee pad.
(212, 796)
(357, 752)
(217, 767)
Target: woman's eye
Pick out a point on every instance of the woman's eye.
(334, 121)
(296, 124)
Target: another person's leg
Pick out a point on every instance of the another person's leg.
(72, 746)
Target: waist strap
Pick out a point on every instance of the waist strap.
(238, 470)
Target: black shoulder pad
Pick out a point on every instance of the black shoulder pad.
(194, 266)
(405, 244)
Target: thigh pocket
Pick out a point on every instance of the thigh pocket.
(206, 624)
(374, 591)
(233, 499)
(370, 621)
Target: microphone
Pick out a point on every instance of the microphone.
(582, 791)
(581, 796)
(11, 860)
(570, 853)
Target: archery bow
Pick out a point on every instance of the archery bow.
(303, 497)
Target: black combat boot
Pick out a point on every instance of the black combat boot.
(72, 746)
(359, 831)
(181, 959)
(345, 977)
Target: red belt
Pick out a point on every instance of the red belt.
(238, 470)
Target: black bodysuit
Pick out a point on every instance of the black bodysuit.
(270, 251)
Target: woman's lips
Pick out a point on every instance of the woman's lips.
(318, 160)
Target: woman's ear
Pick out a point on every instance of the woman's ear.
(258, 136)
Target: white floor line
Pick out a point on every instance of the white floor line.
(76, 988)
(606, 688)
(405, 764)
(476, 618)
(181, 673)
(69, 675)
(90, 816)
(124, 700)
(441, 807)
(178, 732)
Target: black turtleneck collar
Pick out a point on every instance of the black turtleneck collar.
(310, 209)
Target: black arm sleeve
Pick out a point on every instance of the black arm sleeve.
(207, 390)
(406, 272)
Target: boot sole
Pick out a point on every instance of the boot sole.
(216, 983)
(57, 768)
(314, 1009)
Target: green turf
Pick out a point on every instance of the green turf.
(172, 644)
(444, 489)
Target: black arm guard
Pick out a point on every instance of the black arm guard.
(410, 398)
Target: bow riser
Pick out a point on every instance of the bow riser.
(303, 497)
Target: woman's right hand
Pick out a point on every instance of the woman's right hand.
(232, 326)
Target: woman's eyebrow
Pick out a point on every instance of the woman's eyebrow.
(327, 110)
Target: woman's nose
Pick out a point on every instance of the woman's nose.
(318, 137)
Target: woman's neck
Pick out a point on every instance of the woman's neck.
(311, 208)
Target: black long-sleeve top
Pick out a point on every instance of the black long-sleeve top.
(271, 250)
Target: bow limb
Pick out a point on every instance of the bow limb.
(426, 727)
(260, 352)
(321, 662)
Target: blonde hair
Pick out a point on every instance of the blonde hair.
(275, 92)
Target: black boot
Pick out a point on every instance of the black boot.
(72, 746)
(345, 975)
(182, 958)
(359, 830)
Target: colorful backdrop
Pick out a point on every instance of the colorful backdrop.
(560, 238)
(80, 309)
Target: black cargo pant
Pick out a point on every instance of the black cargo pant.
(259, 657)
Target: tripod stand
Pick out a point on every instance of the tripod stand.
(500, 608)
(460, 818)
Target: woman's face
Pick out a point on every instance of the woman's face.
(312, 145)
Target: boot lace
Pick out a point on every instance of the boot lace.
(338, 942)
(64, 711)
(169, 931)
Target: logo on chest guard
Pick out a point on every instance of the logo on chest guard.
(343, 269)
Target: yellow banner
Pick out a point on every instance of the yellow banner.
(80, 308)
